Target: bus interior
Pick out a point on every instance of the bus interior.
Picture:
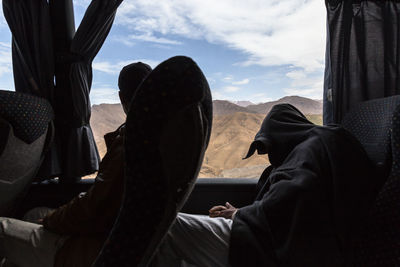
(47, 145)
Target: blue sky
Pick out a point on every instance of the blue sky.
(255, 50)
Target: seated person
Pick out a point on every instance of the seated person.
(311, 202)
(73, 234)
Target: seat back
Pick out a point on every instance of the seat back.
(24, 133)
(167, 131)
(376, 124)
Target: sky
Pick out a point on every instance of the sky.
(253, 50)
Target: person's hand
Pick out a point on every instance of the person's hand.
(228, 211)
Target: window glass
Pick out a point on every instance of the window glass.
(254, 54)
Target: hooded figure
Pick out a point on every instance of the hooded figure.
(311, 200)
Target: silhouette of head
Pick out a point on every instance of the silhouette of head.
(282, 130)
(130, 77)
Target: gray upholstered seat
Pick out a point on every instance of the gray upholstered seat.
(24, 135)
(376, 124)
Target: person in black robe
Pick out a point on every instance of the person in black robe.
(311, 202)
(312, 199)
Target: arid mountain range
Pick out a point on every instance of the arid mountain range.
(234, 128)
(305, 105)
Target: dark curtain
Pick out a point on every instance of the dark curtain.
(362, 56)
(33, 58)
(45, 46)
(32, 48)
(80, 155)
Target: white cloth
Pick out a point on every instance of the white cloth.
(27, 244)
(197, 240)
(36, 213)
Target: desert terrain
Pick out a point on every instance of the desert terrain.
(233, 130)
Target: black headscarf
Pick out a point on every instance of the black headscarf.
(312, 200)
(282, 129)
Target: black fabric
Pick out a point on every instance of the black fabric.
(84, 46)
(371, 123)
(130, 78)
(362, 54)
(33, 60)
(309, 210)
(32, 47)
(282, 129)
(379, 244)
(29, 115)
(155, 163)
(5, 129)
(41, 52)
(88, 39)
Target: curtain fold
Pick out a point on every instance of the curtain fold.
(42, 53)
(33, 59)
(32, 48)
(86, 43)
(362, 60)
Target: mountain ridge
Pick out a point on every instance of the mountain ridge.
(305, 105)
(233, 130)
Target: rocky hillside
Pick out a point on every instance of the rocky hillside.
(305, 105)
(105, 118)
(243, 103)
(234, 128)
(223, 107)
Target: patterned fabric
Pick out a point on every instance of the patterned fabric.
(370, 122)
(379, 126)
(160, 173)
(29, 115)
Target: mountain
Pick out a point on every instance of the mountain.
(234, 128)
(105, 118)
(223, 107)
(230, 139)
(243, 103)
(305, 105)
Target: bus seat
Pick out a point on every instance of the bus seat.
(24, 137)
(376, 124)
(167, 131)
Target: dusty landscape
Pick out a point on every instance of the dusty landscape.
(234, 128)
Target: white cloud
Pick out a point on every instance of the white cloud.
(151, 38)
(228, 78)
(231, 89)
(259, 98)
(242, 82)
(296, 74)
(309, 87)
(104, 94)
(132, 39)
(123, 40)
(5, 59)
(305, 84)
(107, 67)
(115, 68)
(271, 33)
(218, 95)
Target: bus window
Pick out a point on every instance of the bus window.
(254, 54)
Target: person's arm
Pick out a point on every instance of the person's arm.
(228, 211)
(96, 210)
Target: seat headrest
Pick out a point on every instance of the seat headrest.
(371, 123)
(28, 115)
(5, 129)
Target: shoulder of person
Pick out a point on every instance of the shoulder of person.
(110, 137)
